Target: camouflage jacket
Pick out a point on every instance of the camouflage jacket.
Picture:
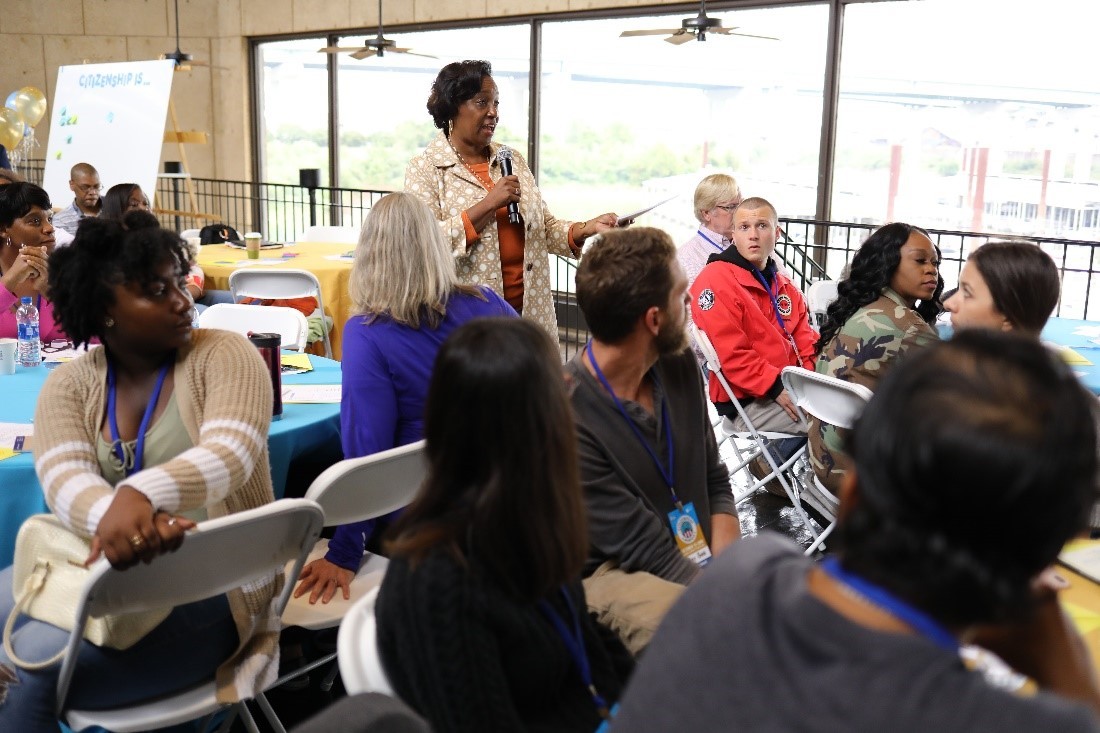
(861, 352)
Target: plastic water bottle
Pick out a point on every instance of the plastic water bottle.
(30, 348)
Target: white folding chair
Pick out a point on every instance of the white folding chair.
(220, 555)
(290, 324)
(357, 649)
(280, 284)
(351, 491)
(784, 472)
(342, 235)
(186, 233)
(819, 296)
(833, 401)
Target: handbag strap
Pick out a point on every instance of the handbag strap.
(31, 587)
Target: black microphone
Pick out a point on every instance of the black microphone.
(504, 157)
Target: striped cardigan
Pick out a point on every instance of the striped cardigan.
(223, 393)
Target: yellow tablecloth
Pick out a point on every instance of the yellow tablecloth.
(218, 261)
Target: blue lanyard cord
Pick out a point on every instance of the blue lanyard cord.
(921, 622)
(710, 241)
(116, 442)
(666, 473)
(772, 296)
(574, 644)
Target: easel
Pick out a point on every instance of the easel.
(180, 137)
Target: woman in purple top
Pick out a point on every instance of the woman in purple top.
(403, 284)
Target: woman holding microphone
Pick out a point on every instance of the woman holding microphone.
(460, 177)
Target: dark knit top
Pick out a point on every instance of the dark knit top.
(469, 657)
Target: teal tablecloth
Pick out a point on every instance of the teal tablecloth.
(302, 430)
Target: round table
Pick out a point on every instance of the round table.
(327, 260)
(301, 430)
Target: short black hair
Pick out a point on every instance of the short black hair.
(455, 83)
(16, 199)
(623, 275)
(964, 441)
(83, 275)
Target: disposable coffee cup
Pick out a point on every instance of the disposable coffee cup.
(252, 245)
(7, 355)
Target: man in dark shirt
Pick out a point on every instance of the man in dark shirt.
(658, 496)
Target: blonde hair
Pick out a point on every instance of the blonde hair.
(403, 267)
(712, 189)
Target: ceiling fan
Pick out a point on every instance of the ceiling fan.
(693, 28)
(377, 46)
(184, 62)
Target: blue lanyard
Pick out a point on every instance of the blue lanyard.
(921, 622)
(710, 241)
(771, 296)
(668, 473)
(116, 442)
(574, 644)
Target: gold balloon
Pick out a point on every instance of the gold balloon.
(11, 128)
(29, 102)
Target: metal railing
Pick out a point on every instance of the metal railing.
(811, 250)
(281, 212)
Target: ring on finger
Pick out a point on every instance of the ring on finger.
(172, 522)
(137, 541)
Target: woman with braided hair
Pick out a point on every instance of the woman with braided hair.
(962, 440)
(886, 306)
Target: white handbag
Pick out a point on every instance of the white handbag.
(48, 578)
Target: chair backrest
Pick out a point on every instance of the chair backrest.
(827, 398)
(819, 296)
(187, 233)
(279, 284)
(357, 649)
(343, 235)
(221, 554)
(363, 488)
(290, 324)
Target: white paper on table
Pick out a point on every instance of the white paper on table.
(1089, 331)
(630, 217)
(9, 431)
(68, 354)
(263, 261)
(311, 393)
(339, 258)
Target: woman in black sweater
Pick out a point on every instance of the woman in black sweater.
(482, 621)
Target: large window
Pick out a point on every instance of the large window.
(382, 113)
(626, 122)
(980, 116)
(294, 110)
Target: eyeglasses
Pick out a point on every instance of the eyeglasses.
(728, 208)
(56, 345)
(86, 187)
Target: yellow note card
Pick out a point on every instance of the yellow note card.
(1084, 619)
(7, 453)
(296, 363)
(1073, 358)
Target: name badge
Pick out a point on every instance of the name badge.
(689, 535)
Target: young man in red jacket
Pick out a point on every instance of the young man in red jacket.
(757, 320)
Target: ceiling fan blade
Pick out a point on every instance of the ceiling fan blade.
(747, 35)
(364, 53)
(680, 38)
(409, 52)
(340, 49)
(651, 32)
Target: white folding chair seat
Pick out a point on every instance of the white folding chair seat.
(220, 555)
(290, 324)
(832, 401)
(188, 233)
(278, 285)
(785, 472)
(357, 649)
(354, 490)
(340, 234)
